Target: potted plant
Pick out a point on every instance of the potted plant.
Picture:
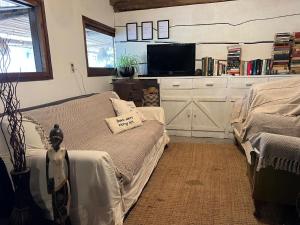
(127, 65)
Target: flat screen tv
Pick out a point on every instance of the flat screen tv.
(171, 59)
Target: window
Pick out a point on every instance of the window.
(99, 48)
(23, 23)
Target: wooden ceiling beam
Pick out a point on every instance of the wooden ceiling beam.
(129, 5)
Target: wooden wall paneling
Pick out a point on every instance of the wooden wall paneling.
(128, 5)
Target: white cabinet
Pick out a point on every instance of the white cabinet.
(239, 86)
(192, 106)
(208, 119)
(178, 111)
(202, 106)
(176, 84)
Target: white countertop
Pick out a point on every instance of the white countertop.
(214, 77)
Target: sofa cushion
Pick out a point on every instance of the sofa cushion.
(124, 122)
(128, 149)
(80, 119)
(122, 107)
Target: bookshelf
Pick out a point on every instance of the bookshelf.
(284, 60)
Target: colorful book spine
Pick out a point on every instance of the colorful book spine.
(281, 53)
(234, 60)
(295, 55)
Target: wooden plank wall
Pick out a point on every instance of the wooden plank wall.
(128, 5)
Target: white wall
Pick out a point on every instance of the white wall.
(224, 12)
(65, 31)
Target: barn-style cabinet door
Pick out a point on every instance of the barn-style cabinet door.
(178, 113)
(208, 117)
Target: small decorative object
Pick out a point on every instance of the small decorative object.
(147, 30)
(127, 65)
(132, 31)
(151, 96)
(198, 72)
(58, 182)
(163, 29)
(25, 211)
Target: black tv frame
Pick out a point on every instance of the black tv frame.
(173, 73)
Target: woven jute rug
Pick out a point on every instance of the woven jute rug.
(196, 184)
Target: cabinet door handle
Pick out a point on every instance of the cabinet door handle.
(188, 115)
(249, 84)
(195, 116)
(175, 85)
(209, 84)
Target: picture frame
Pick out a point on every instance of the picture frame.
(163, 29)
(147, 30)
(132, 31)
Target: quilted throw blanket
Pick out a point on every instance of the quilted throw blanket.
(278, 151)
(272, 107)
(84, 127)
(268, 119)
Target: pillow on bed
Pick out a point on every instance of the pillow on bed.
(124, 122)
(122, 107)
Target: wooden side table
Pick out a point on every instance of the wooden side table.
(129, 90)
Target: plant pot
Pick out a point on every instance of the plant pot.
(126, 71)
(24, 212)
(6, 192)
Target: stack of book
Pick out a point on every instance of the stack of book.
(213, 67)
(256, 67)
(295, 57)
(234, 60)
(281, 53)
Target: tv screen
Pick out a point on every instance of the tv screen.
(171, 59)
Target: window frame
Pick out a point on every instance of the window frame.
(100, 28)
(43, 46)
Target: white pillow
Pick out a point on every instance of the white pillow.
(124, 122)
(32, 137)
(122, 107)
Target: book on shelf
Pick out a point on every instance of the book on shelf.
(234, 60)
(222, 67)
(213, 67)
(281, 53)
(295, 55)
(256, 67)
